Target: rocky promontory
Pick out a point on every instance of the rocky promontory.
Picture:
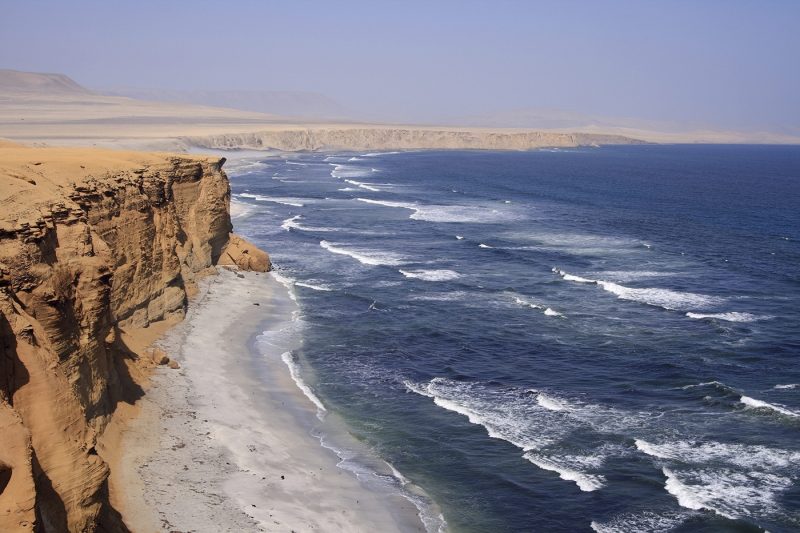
(99, 251)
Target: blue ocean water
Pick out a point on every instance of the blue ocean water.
(567, 340)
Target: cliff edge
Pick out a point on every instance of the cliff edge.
(357, 137)
(97, 248)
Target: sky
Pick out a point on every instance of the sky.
(730, 64)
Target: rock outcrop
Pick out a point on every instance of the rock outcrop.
(398, 138)
(96, 248)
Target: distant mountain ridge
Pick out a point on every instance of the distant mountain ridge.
(15, 81)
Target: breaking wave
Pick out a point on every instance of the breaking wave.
(733, 480)
(294, 371)
(448, 213)
(728, 317)
(752, 403)
(294, 202)
(366, 257)
(431, 275)
(537, 423)
(664, 298)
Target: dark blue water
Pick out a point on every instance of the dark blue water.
(555, 340)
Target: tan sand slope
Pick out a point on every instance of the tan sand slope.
(97, 250)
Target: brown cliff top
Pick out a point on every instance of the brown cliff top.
(31, 176)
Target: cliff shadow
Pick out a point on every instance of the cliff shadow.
(122, 387)
(13, 373)
(128, 390)
(51, 514)
(110, 520)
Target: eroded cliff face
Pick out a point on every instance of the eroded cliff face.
(391, 138)
(95, 247)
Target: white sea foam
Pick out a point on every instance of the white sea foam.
(378, 154)
(462, 213)
(294, 202)
(645, 521)
(728, 317)
(240, 209)
(707, 383)
(448, 213)
(585, 482)
(578, 242)
(733, 480)
(450, 296)
(287, 282)
(747, 456)
(314, 286)
(526, 303)
(540, 427)
(367, 257)
(460, 237)
(551, 403)
(397, 475)
(570, 277)
(341, 171)
(481, 245)
(290, 223)
(363, 185)
(787, 386)
(631, 275)
(241, 167)
(432, 521)
(293, 224)
(752, 403)
(548, 311)
(431, 275)
(387, 203)
(664, 298)
(685, 496)
(728, 493)
(294, 370)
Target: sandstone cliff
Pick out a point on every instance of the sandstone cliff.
(397, 138)
(96, 248)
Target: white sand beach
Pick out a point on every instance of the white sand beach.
(223, 443)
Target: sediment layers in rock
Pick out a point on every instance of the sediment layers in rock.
(95, 247)
(389, 138)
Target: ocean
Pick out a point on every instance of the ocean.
(593, 339)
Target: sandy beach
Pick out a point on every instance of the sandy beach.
(225, 444)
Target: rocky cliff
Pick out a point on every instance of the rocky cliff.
(395, 138)
(96, 249)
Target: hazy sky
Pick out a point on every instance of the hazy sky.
(728, 63)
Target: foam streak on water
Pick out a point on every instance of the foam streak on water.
(665, 298)
(431, 275)
(366, 257)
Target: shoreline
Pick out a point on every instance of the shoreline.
(228, 442)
